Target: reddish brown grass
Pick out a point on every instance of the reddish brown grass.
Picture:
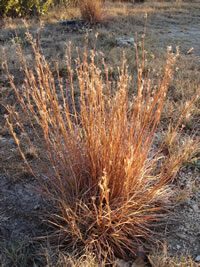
(99, 164)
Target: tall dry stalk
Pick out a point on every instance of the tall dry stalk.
(99, 166)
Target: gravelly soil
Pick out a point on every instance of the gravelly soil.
(184, 237)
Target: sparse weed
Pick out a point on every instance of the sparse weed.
(21, 40)
(16, 254)
(67, 260)
(177, 146)
(162, 259)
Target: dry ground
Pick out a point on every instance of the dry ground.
(167, 24)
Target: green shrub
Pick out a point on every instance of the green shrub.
(23, 8)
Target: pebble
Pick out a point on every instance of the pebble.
(125, 41)
(197, 258)
(122, 263)
(195, 208)
(182, 236)
(36, 207)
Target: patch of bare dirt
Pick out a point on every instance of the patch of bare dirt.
(177, 29)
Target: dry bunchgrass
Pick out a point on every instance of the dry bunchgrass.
(99, 167)
(67, 260)
(162, 259)
(92, 11)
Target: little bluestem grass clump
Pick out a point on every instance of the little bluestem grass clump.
(99, 164)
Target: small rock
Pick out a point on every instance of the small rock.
(188, 201)
(195, 208)
(182, 236)
(122, 263)
(125, 41)
(178, 246)
(8, 141)
(36, 207)
(197, 258)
